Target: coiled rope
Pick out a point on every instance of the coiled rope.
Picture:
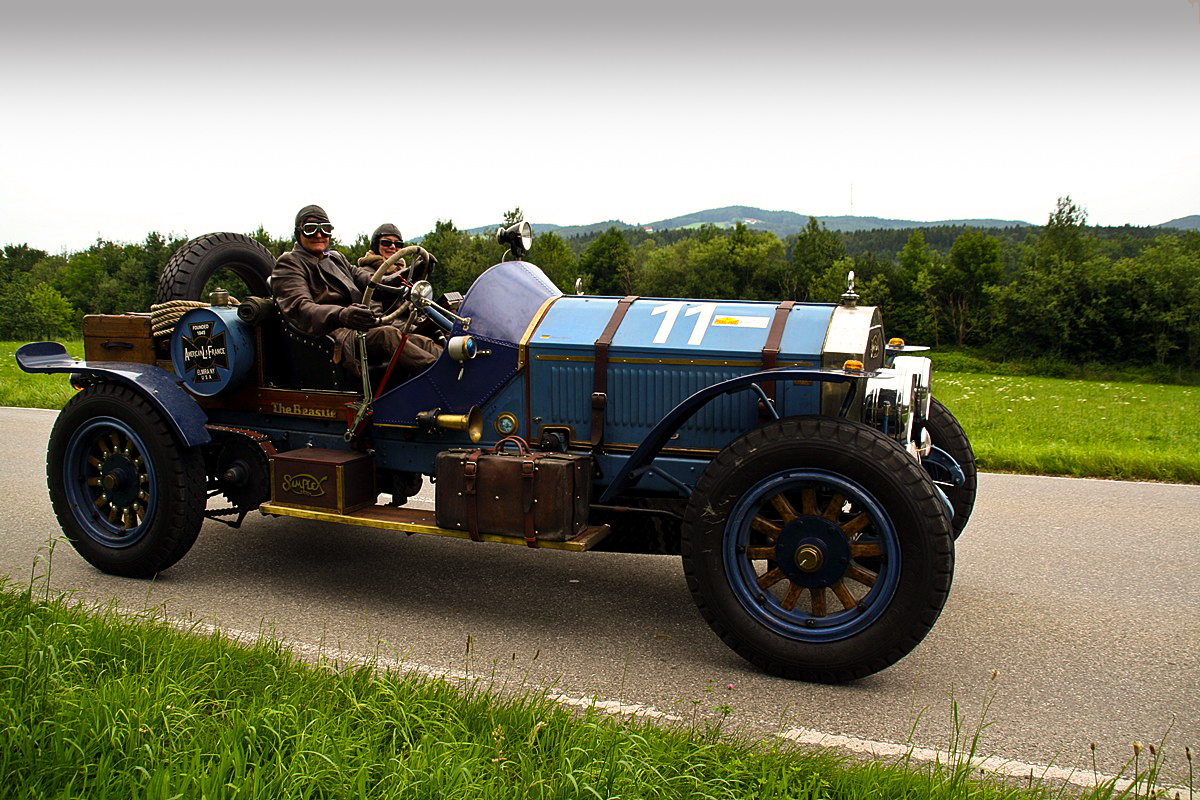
(165, 316)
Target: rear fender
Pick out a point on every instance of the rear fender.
(157, 385)
(643, 457)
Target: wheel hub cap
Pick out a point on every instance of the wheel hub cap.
(813, 552)
(120, 482)
(809, 558)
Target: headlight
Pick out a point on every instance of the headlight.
(518, 238)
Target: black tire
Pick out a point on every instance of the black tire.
(789, 516)
(948, 435)
(128, 496)
(193, 264)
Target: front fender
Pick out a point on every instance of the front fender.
(646, 452)
(154, 383)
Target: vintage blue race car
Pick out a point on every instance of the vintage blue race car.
(794, 457)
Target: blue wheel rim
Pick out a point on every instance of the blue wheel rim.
(110, 482)
(811, 555)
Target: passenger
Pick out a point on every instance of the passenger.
(320, 293)
(385, 241)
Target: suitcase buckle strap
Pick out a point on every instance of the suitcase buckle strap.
(527, 501)
(470, 471)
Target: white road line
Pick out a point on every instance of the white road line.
(986, 764)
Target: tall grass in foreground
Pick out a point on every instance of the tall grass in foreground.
(98, 707)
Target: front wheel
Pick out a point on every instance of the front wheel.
(817, 549)
(128, 496)
(949, 435)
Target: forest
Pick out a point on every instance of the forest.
(1065, 291)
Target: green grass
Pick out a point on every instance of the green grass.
(22, 390)
(94, 705)
(1127, 430)
(966, 359)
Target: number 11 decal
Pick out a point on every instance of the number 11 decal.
(703, 312)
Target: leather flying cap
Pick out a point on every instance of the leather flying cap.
(316, 213)
(386, 229)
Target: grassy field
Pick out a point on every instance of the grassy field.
(1047, 426)
(20, 389)
(98, 706)
(1050, 426)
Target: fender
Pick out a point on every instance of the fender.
(154, 383)
(648, 450)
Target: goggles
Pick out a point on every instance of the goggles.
(316, 228)
(389, 243)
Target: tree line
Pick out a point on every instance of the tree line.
(1062, 291)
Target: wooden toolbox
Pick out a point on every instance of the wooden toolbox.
(339, 481)
(537, 496)
(118, 337)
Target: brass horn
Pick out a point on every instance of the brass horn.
(471, 422)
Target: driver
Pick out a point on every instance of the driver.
(320, 293)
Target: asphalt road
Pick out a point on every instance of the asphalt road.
(1082, 595)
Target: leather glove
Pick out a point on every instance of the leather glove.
(357, 317)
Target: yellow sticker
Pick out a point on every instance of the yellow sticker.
(742, 322)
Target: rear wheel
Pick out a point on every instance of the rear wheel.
(817, 549)
(128, 496)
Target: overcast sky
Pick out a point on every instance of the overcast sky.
(132, 116)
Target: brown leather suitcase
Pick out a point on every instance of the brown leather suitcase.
(537, 496)
(118, 337)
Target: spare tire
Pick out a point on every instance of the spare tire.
(195, 263)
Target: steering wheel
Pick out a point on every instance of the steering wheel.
(420, 294)
(420, 256)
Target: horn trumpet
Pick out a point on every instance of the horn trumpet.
(471, 422)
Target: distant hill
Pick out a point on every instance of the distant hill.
(786, 223)
(1191, 223)
(565, 231)
(781, 223)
